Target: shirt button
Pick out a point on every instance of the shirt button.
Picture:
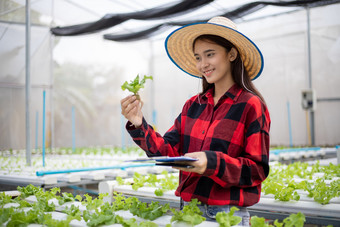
(203, 132)
(142, 133)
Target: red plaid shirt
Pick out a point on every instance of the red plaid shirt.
(234, 134)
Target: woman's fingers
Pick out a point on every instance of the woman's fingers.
(126, 101)
(131, 106)
(199, 166)
(128, 104)
(131, 110)
(185, 168)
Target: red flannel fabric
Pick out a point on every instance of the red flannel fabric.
(234, 134)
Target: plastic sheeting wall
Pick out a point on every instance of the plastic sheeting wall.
(283, 40)
(12, 83)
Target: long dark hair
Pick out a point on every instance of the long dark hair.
(236, 66)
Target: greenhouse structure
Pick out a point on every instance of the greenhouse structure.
(70, 157)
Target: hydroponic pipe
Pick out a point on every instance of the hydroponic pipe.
(301, 149)
(49, 172)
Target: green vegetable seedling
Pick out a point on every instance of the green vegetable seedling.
(135, 85)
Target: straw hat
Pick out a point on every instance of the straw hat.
(179, 45)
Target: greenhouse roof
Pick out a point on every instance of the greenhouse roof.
(132, 17)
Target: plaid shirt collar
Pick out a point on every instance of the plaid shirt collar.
(234, 93)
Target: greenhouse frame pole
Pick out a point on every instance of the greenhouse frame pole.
(52, 78)
(28, 82)
(310, 84)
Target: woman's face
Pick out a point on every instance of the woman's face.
(212, 61)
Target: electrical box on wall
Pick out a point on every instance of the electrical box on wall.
(308, 99)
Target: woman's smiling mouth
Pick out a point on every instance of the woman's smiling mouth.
(208, 72)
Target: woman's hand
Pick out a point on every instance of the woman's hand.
(132, 110)
(199, 166)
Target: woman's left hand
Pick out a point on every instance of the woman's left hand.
(199, 166)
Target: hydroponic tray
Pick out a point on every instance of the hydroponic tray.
(267, 207)
(58, 215)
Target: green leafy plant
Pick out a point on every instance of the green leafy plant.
(282, 183)
(73, 212)
(67, 197)
(293, 220)
(147, 224)
(281, 191)
(121, 202)
(5, 215)
(159, 192)
(92, 204)
(148, 211)
(258, 221)
(28, 190)
(190, 214)
(120, 180)
(103, 217)
(135, 85)
(228, 219)
(4, 199)
(321, 192)
(165, 183)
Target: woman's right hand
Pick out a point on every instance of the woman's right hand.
(132, 110)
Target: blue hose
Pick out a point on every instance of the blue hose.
(123, 167)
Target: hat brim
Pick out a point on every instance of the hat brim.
(179, 46)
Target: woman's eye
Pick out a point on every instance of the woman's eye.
(197, 58)
(210, 54)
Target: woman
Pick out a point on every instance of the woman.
(226, 127)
